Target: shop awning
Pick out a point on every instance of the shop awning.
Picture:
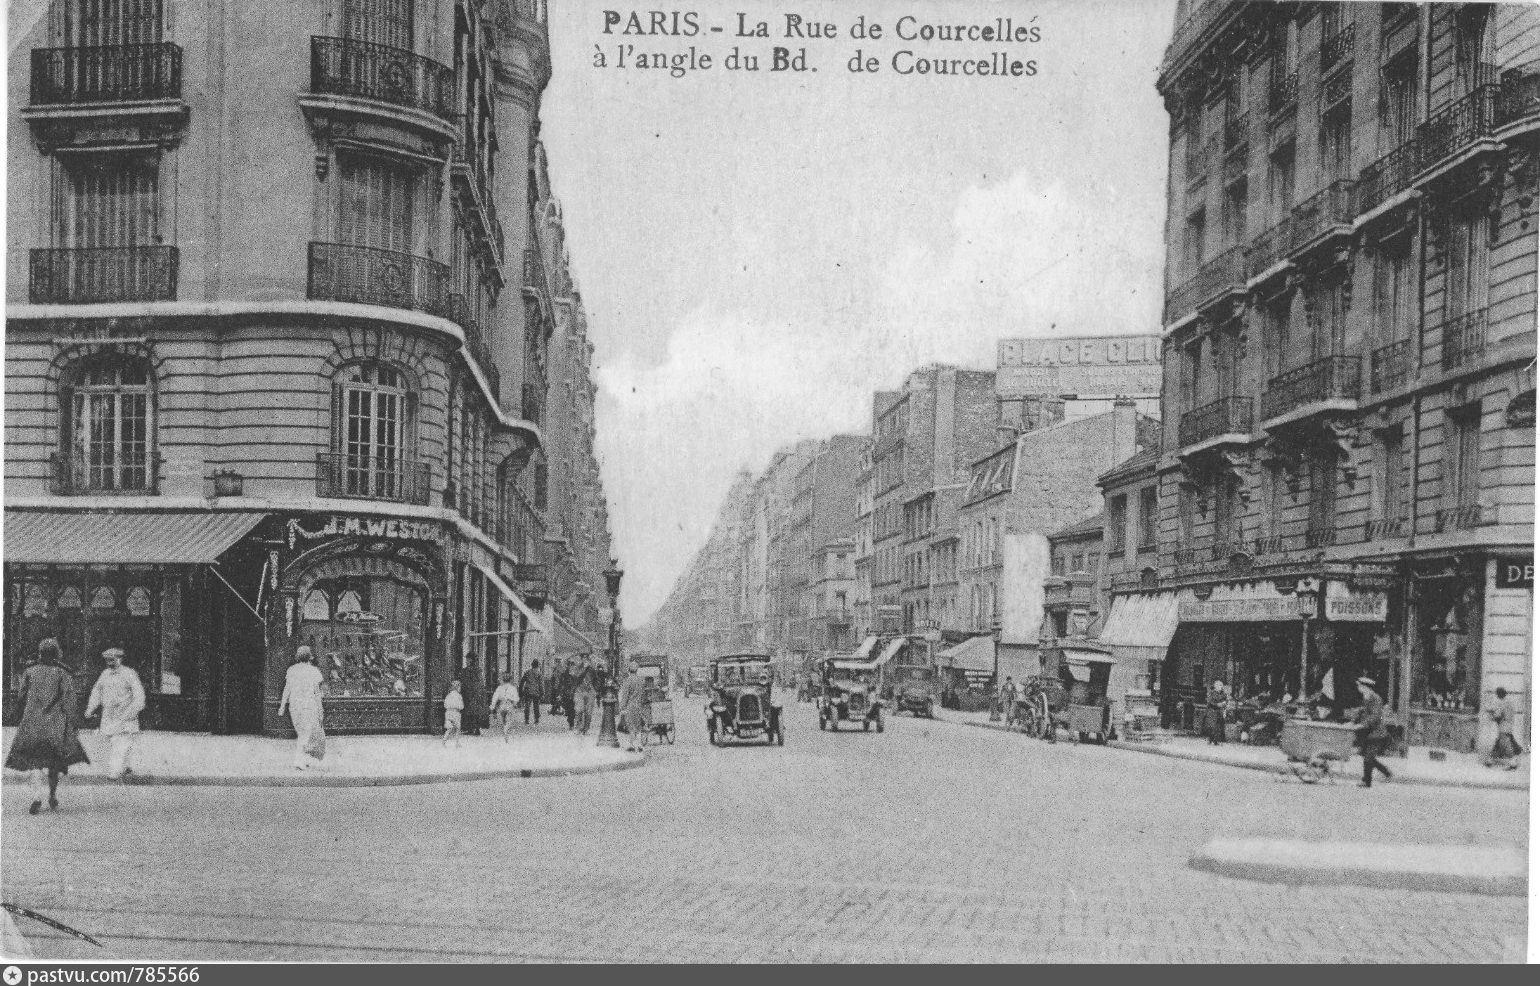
(973, 654)
(568, 638)
(509, 594)
(864, 652)
(1076, 655)
(1144, 620)
(185, 538)
(891, 650)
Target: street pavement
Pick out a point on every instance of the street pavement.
(932, 841)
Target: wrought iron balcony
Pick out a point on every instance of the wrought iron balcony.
(1271, 545)
(1237, 132)
(1381, 530)
(1269, 247)
(130, 474)
(1389, 366)
(1329, 210)
(1221, 275)
(340, 474)
(1463, 517)
(96, 275)
(365, 70)
(1457, 126)
(1519, 95)
(1320, 537)
(460, 311)
(1464, 339)
(1337, 92)
(1068, 590)
(1335, 378)
(1283, 92)
(1388, 177)
(370, 276)
(1203, 14)
(1337, 48)
(107, 74)
(1186, 556)
(1226, 416)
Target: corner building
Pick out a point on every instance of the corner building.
(284, 280)
(1347, 479)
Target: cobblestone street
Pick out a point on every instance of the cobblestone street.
(932, 841)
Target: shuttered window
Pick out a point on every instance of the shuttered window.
(385, 22)
(377, 204)
(109, 200)
(95, 23)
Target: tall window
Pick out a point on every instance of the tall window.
(1467, 271)
(1235, 214)
(1149, 517)
(1395, 290)
(1392, 484)
(376, 412)
(386, 22)
(377, 203)
(1327, 312)
(1336, 143)
(97, 23)
(1474, 49)
(1280, 181)
(1226, 513)
(1117, 524)
(1192, 248)
(1323, 496)
(110, 427)
(1463, 476)
(1398, 103)
(109, 200)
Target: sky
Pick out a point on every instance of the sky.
(760, 251)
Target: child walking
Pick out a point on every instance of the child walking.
(454, 704)
(505, 702)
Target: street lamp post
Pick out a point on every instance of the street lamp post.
(609, 696)
(994, 700)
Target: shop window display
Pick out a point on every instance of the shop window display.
(1451, 651)
(367, 634)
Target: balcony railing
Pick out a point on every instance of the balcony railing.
(1331, 207)
(460, 311)
(1204, 13)
(370, 276)
(1271, 545)
(1283, 92)
(340, 474)
(109, 74)
(1463, 517)
(1269, 247)
(1320, 537)
(1380, 530)
(1337, 47)
(1520, 94)
(1226, 272)
(101, 274)
(72, 475)
(1388, 176)
(532, 404)
(1226, 416)
(1464, 339)
(1332, 378)
(1389, 366)
(1337, 92)
(1237, 131)
(365, 70)
(1457, 126)
(1186, 556)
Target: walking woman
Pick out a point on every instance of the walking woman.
(48, 739)
(302, 697)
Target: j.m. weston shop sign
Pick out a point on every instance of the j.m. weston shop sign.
(1099, 366)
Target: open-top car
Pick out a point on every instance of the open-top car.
(915, 689)
(741, 706)
(849, 694)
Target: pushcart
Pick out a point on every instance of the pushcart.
(1042, 698)
(659, 720)
(1312, 747)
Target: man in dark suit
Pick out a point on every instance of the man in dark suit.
(1372, 734)
(529, 692)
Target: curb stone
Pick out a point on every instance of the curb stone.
(322, 779)
(1266, 861)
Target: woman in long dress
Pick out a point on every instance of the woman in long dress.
(48, 738)
(302, 698)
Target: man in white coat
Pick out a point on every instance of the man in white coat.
(120, 697)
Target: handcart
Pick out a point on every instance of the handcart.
(1042, 698)
(1312, 747)
(659, 720)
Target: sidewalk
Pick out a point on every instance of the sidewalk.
(1494, 870)
(1456, 770)
(351, 761)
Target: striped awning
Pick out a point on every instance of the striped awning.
(973, 654)
(509, 594)
(569, 640)
(185, 538)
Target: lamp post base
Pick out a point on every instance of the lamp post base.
(609, 700)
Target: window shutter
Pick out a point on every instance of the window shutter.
(339, 423)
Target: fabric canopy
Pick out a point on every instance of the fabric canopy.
(569, 640)
(891, 650)
(973, 654)
(184, 538)
(1142, 620)
(1075, 655)
(865, 650)
(509, 594)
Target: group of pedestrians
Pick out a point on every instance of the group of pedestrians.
(47, 742)
(574, 692)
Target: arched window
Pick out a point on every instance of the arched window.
(374, 436)
(109, 427)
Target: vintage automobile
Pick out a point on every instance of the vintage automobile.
(698, 681)
(915, 689)
(741, 706)
(849, 694)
